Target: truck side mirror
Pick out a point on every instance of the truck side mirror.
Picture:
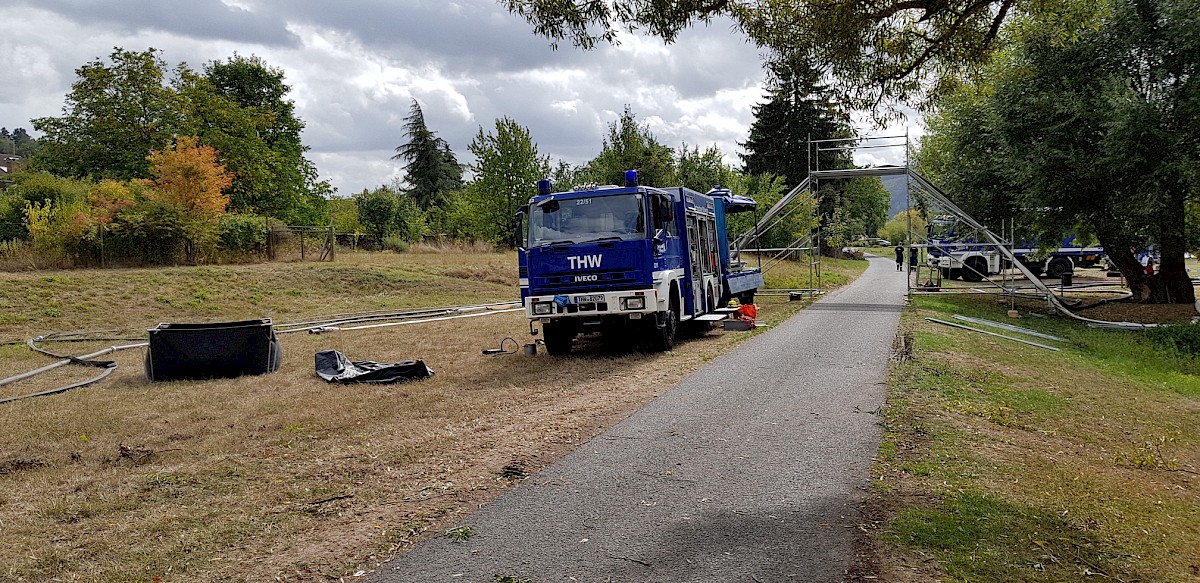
(519, 228)
(662, 210)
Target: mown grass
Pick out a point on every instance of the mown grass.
(1007, 462)
(281, 476)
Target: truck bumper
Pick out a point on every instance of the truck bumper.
(632, 304)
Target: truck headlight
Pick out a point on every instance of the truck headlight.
(543, 308)
(633, 303)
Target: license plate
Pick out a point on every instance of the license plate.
(593, 299)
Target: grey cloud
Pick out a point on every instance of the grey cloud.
(200, 19)
(475, 36)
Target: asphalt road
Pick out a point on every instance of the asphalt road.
(750, 469)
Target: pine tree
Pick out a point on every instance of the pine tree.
(797, 108)
(431, 169)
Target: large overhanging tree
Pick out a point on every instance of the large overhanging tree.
(1097, 127)
(878, 49)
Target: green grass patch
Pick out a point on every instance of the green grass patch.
(1007, 462)
(977, 537)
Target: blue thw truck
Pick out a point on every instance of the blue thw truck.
(631, 262)
(959, 255)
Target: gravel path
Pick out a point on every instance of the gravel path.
(751, 469)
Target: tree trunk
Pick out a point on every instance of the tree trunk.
(1170, 284)
(1176, 286)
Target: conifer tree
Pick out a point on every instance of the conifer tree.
(431, 169)
(797, 108)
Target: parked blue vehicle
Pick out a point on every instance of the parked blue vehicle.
(961, 255)
(630, 262)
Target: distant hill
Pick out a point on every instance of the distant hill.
(898, 186)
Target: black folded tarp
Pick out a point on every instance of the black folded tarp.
(214, 350)
(333, 366)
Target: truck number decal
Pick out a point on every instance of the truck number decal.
(583, 201)
(585, 261)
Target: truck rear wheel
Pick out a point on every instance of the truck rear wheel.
(558, 337)
(1058, 266)
(974, 269)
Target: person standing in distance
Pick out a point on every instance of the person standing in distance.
(899, 258)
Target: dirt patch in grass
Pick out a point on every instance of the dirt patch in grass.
(282, 476)
(12, 466)
(1142, 313)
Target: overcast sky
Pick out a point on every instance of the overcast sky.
(355, 65)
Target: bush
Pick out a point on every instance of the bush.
(246, 234)
(150, 232)
(395, 243)
(1181, 340)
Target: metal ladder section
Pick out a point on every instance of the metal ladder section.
(772, 217)
(797, 198)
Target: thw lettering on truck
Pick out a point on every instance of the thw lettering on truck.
(585, 261)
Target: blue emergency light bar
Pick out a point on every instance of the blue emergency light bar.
(544, 186)
(631, 178)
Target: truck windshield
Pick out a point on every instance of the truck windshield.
(579, 220)
(942, 228)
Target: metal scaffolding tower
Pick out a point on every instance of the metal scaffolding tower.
(922, 194)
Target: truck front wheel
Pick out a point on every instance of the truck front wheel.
(662, 338)
(558, 337)
(662, 331)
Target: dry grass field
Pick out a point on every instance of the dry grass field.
(282, 476)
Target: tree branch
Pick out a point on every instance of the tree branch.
(995, 28)
(899, 7)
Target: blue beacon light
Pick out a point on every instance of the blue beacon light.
(543, 186)
(631, 178)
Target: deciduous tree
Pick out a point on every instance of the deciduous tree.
(116, 113)
(272, 175)
(190, 177)
(1099, 131)
(631, 147)
(507, 167)
(701, 171)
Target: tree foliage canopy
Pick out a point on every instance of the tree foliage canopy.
(190, 177)
(507, 167)
(17, 142)
(878, 48)
(702, 171)
(119, 111)
(1100, 132)
(629, 146)
(798, 108)
(240, 107)
(116, 113)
